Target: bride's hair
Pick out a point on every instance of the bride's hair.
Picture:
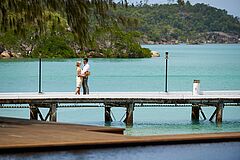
(78, 63)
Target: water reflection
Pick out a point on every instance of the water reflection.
(170, 152)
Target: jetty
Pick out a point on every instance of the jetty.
(128, 100)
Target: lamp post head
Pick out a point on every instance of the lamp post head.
(166, 55)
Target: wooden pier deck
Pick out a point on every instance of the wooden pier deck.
(121, 97)
(19, 135)
(129, 100)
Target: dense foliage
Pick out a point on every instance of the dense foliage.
(60, 28)
(53, 30)
(19, 14)
(181, 22)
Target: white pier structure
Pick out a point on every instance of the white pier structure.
(129, 100)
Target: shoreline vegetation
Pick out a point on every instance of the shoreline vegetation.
(145, 24)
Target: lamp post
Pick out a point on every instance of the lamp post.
(166, 57)
(40, 75)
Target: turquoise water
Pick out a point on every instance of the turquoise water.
(216, 66)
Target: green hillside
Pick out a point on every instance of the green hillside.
(193, 23)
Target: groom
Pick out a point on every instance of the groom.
(85, 78)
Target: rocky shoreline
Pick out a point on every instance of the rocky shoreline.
(202, 38)
(9, 54)
(5, 54)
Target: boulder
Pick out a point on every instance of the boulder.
(90, 54)
(5, 54)
(29, 49)
(155, 54)
(101, 55)
(151, 42)
(94, 54)
(16, 55)
(10, 54)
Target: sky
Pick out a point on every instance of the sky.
(231, 6)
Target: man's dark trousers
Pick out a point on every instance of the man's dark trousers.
(85, 85)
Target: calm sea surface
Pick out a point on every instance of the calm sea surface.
(216, 66)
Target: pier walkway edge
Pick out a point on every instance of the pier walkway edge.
(128, 100)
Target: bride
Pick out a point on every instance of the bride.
(79, 79)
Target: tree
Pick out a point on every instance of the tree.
(188, 3)
(180, 2)
(17, 14)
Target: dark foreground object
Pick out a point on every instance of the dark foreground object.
(19, 135)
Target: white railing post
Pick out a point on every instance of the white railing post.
(196, 87)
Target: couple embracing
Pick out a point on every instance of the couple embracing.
(82, 76)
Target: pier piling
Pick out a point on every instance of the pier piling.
(108, 117)
(53, 112)
(195, 113)
(129, 100)
(129, 114)
(219, 112)
(33, 113)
